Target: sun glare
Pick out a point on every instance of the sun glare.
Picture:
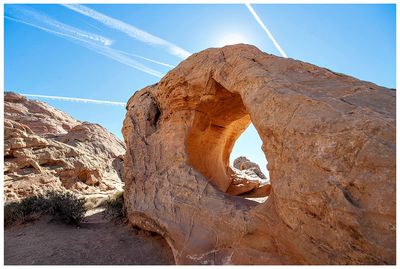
(231, 39)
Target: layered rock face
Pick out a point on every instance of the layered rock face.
(330, 144)
(45, 149)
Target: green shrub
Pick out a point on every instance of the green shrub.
(115, 208)
(12, 213)
(25, 210)
(32, 204)
(65, 207)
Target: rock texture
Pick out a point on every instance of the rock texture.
(45, 149)
(330, 141)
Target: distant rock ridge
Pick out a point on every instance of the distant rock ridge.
(46, 149)
(40, 117)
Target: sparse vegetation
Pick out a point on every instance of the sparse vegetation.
(66, 207)
(115, 208)
(63, 206)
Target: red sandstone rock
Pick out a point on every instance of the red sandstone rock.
(330, 143)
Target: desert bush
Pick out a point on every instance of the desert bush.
(115, 208)
(12, 213)
(63, 206)
(25, 210)
(66, 207)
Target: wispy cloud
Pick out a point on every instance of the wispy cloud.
(147, 59)
(129, 30)
(25, 14)
(88, 40)
(281, 51)
(72, 99)
(122, 58)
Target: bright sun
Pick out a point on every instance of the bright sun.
(231, 39)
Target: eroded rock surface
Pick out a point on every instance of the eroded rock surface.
(45, 149)
(330, 143)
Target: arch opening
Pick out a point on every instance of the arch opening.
(254, 153)
(249, 165)
(219, 119)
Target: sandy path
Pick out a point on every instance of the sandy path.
(96, 242)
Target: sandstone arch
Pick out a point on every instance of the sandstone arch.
(219, 119)
(330, 143)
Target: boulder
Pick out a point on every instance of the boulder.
(244, 164)
(330, 141)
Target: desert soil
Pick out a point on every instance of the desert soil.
(97, 241)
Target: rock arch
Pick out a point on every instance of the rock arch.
(219, 119)
(330, 143)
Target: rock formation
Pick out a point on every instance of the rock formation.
(247, 179)
(45, 149)
(38, 116)
(330, 144)
(243, 164)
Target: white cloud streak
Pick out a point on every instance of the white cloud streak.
(24, 14)
(120, 57)
(129, 30)
(37, 26)
(147, 59)
(281, 51)
(88, 40)
(72, 99)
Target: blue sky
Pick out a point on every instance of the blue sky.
(75, 52)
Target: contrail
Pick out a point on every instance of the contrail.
(129, 30)
(38, 27)
(266, 30)
(22, 14)
(120, 57)
(84, 39)
(147, 59)
(72, 99)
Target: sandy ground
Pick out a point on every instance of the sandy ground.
(96, 242)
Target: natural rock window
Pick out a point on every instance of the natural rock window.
(249, 165)
(218, 122)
